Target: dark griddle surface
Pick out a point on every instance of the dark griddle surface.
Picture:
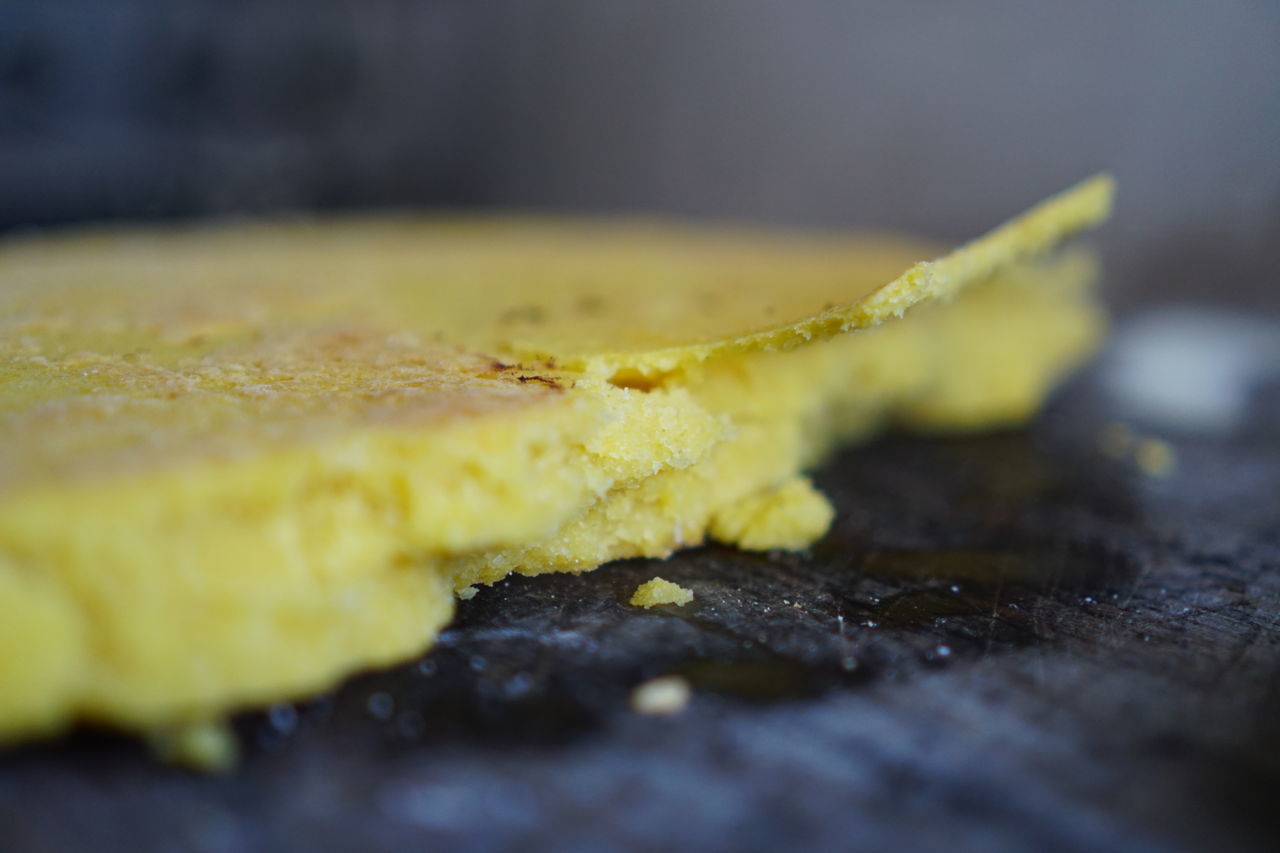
(1008, 642)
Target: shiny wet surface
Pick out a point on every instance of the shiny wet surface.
(1007, 642)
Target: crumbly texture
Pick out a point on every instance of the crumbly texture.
(243, 461)
(660, 591)
(789, 517)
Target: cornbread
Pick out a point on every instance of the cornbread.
(242, 461)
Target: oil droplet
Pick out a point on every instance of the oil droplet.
(321, 706)
(518, 685)
(381, 706)
(868, 623)
(955, 588)
(938, 654)
(283, 717)
(410, 725)
(1088, 599)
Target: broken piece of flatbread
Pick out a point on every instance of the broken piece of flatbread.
(244, 460)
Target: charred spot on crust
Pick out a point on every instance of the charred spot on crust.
(545, 380)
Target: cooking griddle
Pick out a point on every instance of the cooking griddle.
(1008, 641)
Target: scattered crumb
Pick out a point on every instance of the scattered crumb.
(659, 591)
(1115, 439)
(662, 696)
(467, 593)
(208, 746)
(1156, 458)
(1153, 456)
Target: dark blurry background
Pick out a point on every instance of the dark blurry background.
(939, 117)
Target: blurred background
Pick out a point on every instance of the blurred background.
(941, 118)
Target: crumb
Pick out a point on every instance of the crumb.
(661, 696)
(1155, 457)
(1115, 439)
(659, 591)
(467, 593)
(208, 746)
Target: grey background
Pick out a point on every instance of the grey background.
(940, 117)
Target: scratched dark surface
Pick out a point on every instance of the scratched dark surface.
(1008, 642)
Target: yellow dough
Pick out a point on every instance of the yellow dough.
(242, 461)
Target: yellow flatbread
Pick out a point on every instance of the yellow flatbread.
(242, 461)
